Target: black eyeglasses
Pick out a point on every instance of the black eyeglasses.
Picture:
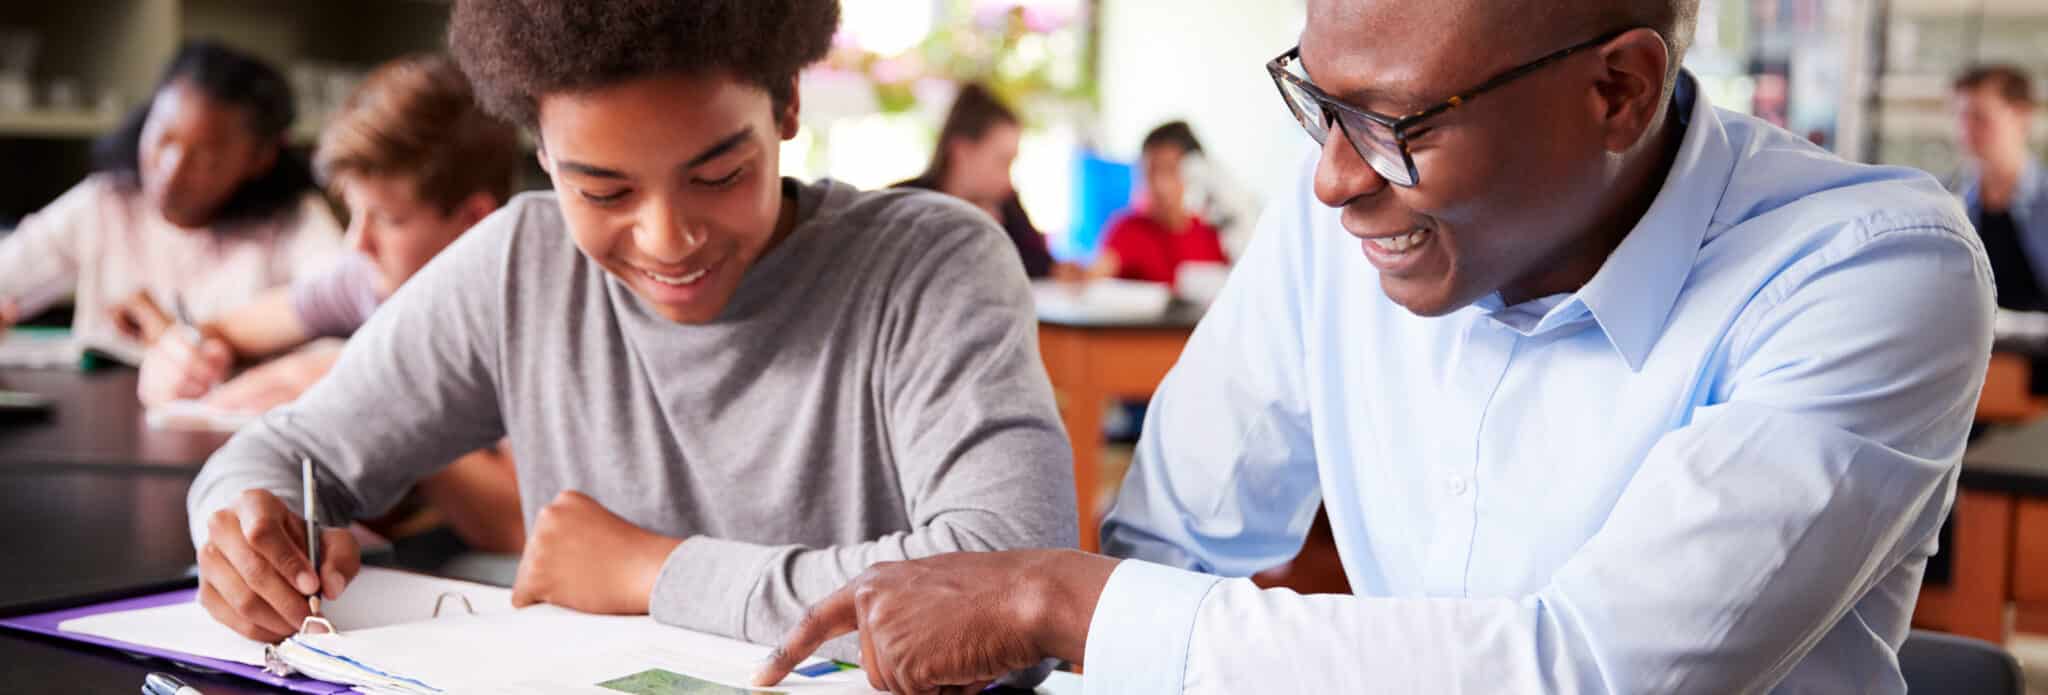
(1381, 140)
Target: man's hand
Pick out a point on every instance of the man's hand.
(253, 573)
(955, 622)
(582, 556)
(175, 368)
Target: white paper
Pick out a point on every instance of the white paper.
(196, 416)
(378, 597)
(180, 627)
(551, 649)
(1107, 300)
(384, 623)
(32, 348)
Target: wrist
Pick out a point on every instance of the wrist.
(651, 558)
(1061, 591)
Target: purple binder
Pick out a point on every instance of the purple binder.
(46, 624)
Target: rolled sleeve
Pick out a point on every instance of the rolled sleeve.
(1138, 640)
(708, 583)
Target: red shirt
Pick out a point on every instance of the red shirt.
(1146, 250)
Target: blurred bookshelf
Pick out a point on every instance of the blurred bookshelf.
(1925, 45)
(69, 71)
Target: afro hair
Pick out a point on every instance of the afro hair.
(515, 51)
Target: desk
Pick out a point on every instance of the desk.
(1093, 362)
(97, 422)
(91, 500)
(69, 531)
(77, 530)
(1999, 540)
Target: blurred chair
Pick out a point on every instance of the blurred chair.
(1935, 662)
(2007, 396)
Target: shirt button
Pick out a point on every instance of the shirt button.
(1457, 485)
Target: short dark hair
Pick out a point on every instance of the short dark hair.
(1174, 133)
(975, 111)
(514, 51)
(230, 77)
(2010, 82)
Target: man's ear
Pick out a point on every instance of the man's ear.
(1629, 90)
(786, 123)
(540, 153)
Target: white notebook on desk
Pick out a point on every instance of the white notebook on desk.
(388, 640)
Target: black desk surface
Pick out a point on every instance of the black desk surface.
(76, 530)
(97, 422)
(2013, 460)
(91, 501)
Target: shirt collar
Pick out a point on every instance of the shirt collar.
(1632, 294)
(2033, 183)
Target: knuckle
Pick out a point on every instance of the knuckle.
(220, 520)
(254, 499)
(264, 534)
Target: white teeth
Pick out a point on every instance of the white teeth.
(675, 279)
(1403, 243)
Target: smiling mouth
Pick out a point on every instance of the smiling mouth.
(675, 280)
(1403, 243)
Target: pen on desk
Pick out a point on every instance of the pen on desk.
(185, 327)
(312, 529)
(166, 684)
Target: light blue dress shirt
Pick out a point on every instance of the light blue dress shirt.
(1719, 467)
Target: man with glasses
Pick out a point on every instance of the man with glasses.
(1605, 390)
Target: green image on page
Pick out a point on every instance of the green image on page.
(655, 681)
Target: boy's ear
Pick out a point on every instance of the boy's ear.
(786, 123)
(476, 207)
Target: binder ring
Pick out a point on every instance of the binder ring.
(443, 598)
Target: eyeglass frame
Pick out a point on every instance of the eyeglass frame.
(1401, 125)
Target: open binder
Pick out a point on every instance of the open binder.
(400, 632)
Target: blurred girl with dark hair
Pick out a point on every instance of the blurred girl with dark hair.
(194, 202)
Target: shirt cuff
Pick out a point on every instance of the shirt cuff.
(1138, 639)
(707, 584)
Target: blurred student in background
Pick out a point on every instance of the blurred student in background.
(195, 202)
(1152, 241)
(418, 162)
(977, 145)
(2001, 182)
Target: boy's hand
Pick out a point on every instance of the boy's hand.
(272, 383)
(175, 368)
(582, 556)
(253, 572)
(139, 318)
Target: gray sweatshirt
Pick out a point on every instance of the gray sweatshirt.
(873, 392)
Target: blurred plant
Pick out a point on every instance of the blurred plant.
(1027, 52)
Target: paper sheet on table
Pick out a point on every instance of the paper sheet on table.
(197, 416)
(378, 597)
(1106, 300)
(551, 649)
(35, 347)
